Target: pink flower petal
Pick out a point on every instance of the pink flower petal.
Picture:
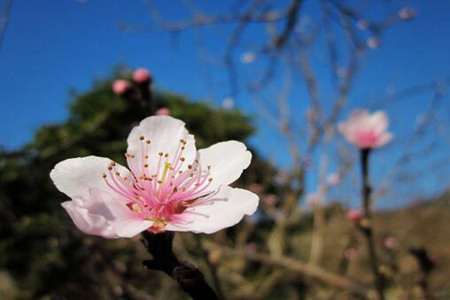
(87, 222)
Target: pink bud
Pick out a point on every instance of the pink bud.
(354, 216)
(373, 42)
(121, 86)
(363, 24)
(407, 13)
(333, 179)
(270, 199)
(256, 188)
(390, 242)
(314, 198)
(163, 112)
(141, 75)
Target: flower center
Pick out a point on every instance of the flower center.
(167, 193)
(366, 138)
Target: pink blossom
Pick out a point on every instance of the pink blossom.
(366, 130)
(333, 179)
(354, 216)
(407, 13)
(390, 242)
(270, 199)
(164, 111)
(373, 42)
(169, 184)
(314, 198)
(363, 24)
(120, 86)
(141, 75)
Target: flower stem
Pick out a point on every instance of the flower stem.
(367, 228)
(190, 279)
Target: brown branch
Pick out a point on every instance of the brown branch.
(367, 229)
(4, 19)
(189, 278)
(295, 266)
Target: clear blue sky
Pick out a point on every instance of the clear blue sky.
(52, 46)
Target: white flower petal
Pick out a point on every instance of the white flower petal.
(379, 121)
(227, 161)
(164, 133)
(384, 139)
(130, 227)
(87, 222)
(229, 208)
(76, 176)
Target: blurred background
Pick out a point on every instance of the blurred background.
(277, 75)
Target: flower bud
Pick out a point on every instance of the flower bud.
(373, 42)
(407, 13)
(164, 111)
(354, 216)
(334, 179)
(121, 86)
(142, 75)
(363, 24)
(390, 243)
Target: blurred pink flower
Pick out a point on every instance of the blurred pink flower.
(407, 13)
(270, 199)
(141, 75)
(363, 24)
(390, 242)
(120, 86)
(354, 216)
(314, 198)
(334, 179)
(256, 188)
(169, 185)
(164, 111)
(366, 130)
(248, 57)
(373, 42)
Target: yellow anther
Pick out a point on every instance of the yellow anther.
(160, 154)
(104, 175)
(148, 141)
(136, 208)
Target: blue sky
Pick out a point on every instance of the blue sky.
(52, 46)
